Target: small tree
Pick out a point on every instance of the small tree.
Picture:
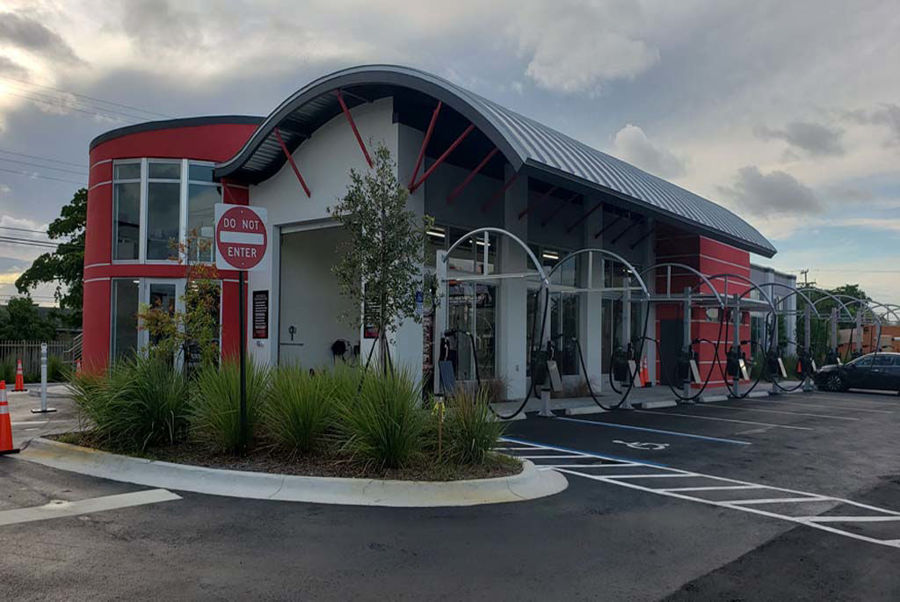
(20, 320)
(197, 327)
(380, 262)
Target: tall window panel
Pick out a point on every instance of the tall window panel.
(126, 210)
(203, 194)
(163, 209)
(125, 294)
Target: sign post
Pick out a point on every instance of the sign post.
(241, 244)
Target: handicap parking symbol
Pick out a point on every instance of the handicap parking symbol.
(643, 445)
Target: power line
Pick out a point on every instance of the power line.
(24, 230)
(27, 242)
(40, 158)
(32, 164)
(37, 175)
(94, 113)
(92, 98)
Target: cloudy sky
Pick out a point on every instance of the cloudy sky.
(787, 112)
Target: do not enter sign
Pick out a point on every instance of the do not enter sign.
(241, 238)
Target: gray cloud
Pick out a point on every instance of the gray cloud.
(12, 68)
(887, 114)
(816, 139)
(31, 35)
(775, 193)
(158, 25)
(632, 145)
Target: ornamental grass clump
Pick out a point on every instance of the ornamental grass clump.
(139, 403)
(216, 401)
(383, 424)
(470, 430)
(301, 408)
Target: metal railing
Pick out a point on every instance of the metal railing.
(30, 353)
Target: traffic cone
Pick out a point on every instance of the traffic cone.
(645, 373)
(20, 378)
(6, 442)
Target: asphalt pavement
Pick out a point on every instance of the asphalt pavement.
(604, 538)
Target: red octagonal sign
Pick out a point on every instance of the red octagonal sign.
(241, 237)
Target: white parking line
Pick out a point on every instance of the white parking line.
(61, 508)
(778, 500)
(745, 505)
(698, 417)
(851, 519)
(746, 409)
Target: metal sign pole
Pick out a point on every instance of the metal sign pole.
(243, 360)
(43, 409)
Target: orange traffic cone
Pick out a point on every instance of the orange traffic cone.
(20, 377)
(6, 443)
(645, 373)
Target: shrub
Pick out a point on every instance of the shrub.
(470, 430)
(139, 403)
(300, 408)
(384, 423)
(8, 371)
(216, 403)
(56, 369)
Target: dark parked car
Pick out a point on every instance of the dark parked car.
(879, 371)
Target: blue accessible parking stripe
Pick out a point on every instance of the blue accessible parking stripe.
(650, 430)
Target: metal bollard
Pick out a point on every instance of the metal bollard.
(43, 409)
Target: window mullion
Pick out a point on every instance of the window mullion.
(142, 230)
(183, 213)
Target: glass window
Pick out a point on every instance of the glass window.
(164, 170)
(127, 224)
(200, 173)
(863, 362)
(883, 361)
(202, 199)
(163, 219)
(124, 319)
(127, 171)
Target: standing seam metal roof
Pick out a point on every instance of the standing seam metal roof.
(525, 141)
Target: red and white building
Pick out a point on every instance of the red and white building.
(469, 163)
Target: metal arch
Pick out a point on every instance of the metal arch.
(752, 284)
(796, 291)
(862, 302)
(828, 295)
(887, 307)
(615, 256)
(544, 278)
(696, 272)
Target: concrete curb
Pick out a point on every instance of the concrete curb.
(529, 484)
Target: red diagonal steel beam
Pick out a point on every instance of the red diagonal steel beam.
(425, 141)
(349, 117)
(559, 208)
(488, 203)
(540, 200)
(440, 159)
(583, 217)
(290, 160)
(462, 185)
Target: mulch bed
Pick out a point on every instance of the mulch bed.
(324, 463)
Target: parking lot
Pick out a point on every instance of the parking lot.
(789, 497)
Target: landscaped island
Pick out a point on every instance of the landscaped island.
(345, 422)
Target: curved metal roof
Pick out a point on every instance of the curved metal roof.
(522, 140)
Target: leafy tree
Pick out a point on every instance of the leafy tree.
(820, 329)
(380, 262)
(65, 265)
(21, 321)
(196, 329)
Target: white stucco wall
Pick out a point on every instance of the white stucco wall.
(324, 160)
